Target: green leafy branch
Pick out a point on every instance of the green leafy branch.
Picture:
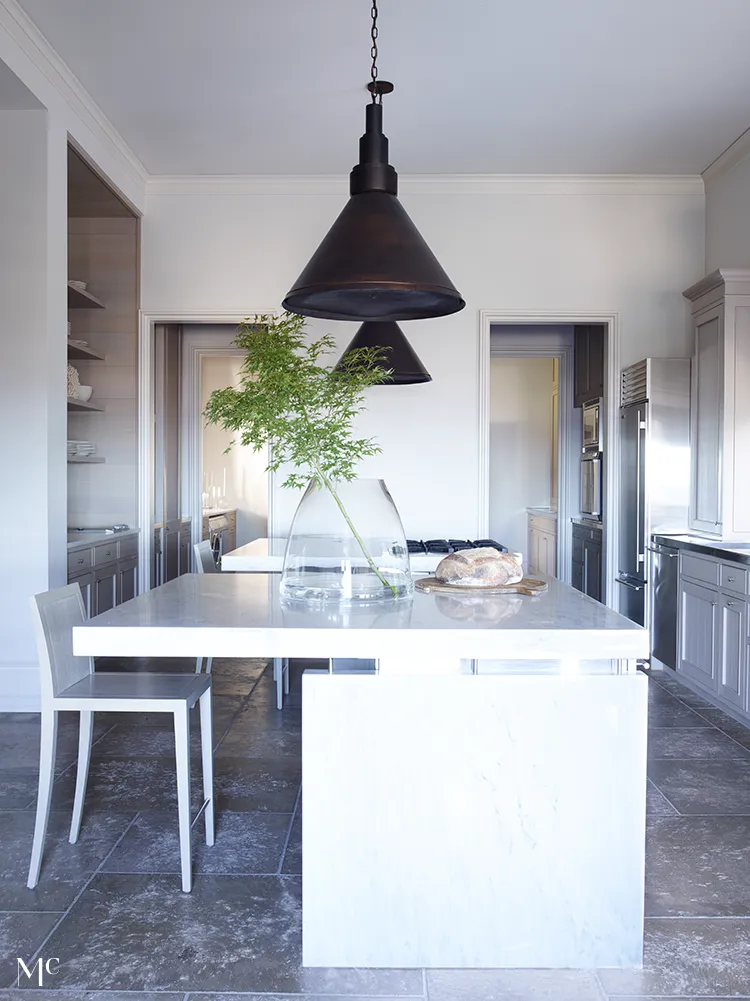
(302, 409)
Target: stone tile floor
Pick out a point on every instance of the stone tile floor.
(112, 910)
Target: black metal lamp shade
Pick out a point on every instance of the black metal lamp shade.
(402, 358)
(373, 264)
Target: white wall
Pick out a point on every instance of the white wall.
(728, 219)
(239, 475)
(515, 245)
(33, 315)
(520, 445)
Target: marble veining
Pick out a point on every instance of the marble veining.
(479, 822)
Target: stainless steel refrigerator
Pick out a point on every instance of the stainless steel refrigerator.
(654, 477)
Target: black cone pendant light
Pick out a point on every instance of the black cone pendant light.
(401, 358)
(373, 263)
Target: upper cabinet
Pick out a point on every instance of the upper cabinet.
(720, 405)
(588, 362)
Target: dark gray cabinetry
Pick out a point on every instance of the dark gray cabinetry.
(586, 572)
(588, 363)
(107, 573)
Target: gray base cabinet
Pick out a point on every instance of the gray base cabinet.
(586, 571)
(712, 630)
(107, 573)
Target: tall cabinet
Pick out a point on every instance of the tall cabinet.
(720, 412)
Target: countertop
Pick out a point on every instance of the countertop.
(544, 512)
(243, 615)
(84, 539)
(736, 552)
(267, 556)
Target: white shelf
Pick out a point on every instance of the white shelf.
(75, 460)
(79, 405)
(79, 299)
(78, 353)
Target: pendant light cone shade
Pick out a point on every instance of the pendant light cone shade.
(401, 358)
(373, 263)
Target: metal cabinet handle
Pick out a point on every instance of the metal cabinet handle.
(730, 578)
(80, 561)
(633, 587)
(731, 603)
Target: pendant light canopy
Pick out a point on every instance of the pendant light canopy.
(373, 263)
(401, 358)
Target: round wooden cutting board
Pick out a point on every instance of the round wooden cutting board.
(527, 585)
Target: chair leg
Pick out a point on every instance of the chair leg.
(198, 665)
(182, 755)
(47, 755)
(85, 734)
(286, 675)
(278, 676)
(209, 663)
(207, 755)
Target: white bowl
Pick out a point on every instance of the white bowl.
(84, 393)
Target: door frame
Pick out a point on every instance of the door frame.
(566, 469)
(147, 321)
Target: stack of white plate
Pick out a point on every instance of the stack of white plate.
(79, 448)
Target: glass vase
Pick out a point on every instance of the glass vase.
(346, 545)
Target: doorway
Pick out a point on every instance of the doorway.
(198, 489)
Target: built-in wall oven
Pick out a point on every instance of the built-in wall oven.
(591, 439)
(591, 484)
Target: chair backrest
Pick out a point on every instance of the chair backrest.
(204, 558)
(55, 613)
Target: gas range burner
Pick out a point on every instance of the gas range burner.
(437, 547)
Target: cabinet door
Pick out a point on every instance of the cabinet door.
(532, 557)
(706, 419)
(576, 577)
(171, 559)
(698, 629)
(596, 361)
(127, 579)
(592, 563)
(580, 364)
(104, 593)
(86, 582)
(548, 554)
(731, 651)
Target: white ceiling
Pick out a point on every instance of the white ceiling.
(482, 86)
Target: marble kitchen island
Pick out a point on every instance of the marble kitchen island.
(478, 802)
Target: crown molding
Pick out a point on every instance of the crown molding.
(22, 30)
(731, 156)
(478, 184)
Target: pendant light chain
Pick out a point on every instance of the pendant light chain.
(374, 52)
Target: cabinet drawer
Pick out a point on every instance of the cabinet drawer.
(542, 524)
(733, 578)
(698, 568)
(128, 548)
(105, 552)
(78, 561)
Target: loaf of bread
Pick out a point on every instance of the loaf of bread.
(479, 568)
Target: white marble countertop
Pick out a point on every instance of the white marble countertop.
(84, 538)
(267, 555)
(543, 512)
(242, 615)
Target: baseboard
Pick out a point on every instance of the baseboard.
(19, 688)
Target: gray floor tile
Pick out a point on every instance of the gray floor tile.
(670, 684)
(710, 788)
(224, 709)
(690, 958)
(673, 713)
(236, 677)
(264, 731)
(18, 788)
(693, 742)
(257, 784)
(127, 784)
(19, 744)
(289, 997)
(232, 933)
(727, 724)
(264, 694)
(698, 867)
(512, 985)
(656, 804)
(65, 867)
(126, 741)
(245, 843)
(293, 855)
(20, 936)
(45, 995)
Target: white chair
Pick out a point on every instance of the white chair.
(205, 563)
(69, 683)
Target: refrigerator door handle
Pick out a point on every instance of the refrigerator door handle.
(640, 514)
